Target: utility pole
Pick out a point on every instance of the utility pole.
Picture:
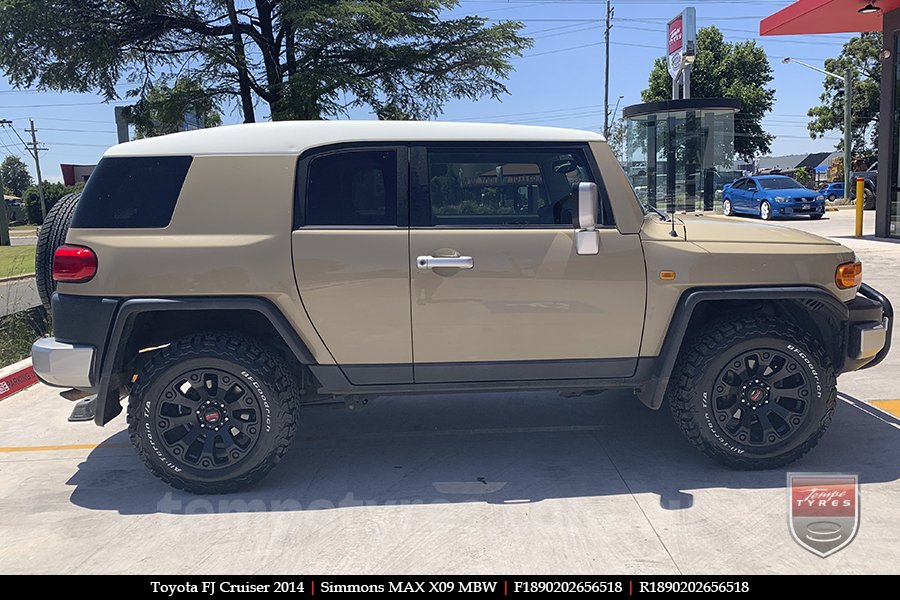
(4, 218)
(609, 15)
(848, 135)
(34, 149)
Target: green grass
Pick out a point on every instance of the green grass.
(16, 260)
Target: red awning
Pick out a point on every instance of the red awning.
(825, 16)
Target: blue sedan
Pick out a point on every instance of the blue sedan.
(771, 196)
(833, 190)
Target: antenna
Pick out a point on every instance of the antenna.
(673, 233)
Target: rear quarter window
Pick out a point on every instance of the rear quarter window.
(131, 192)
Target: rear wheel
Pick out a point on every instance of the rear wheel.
(753, 393)
(51, 236)
(213, 412)
(868, 199)
(832, 197)
(765, 211)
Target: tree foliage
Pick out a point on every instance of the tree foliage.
(726, 70)
(165, 109)
(803, 176)
(304, 59)
(860, 56)
(15, 176)
(52, 193)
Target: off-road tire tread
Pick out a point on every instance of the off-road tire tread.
(706, 347)
(266, 364)
(51, 236)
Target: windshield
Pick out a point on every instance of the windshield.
(779, 183)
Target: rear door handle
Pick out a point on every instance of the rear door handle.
(445, 262)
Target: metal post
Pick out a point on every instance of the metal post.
(651, 160)
(860, 204)
(848, 93)
(686, 77)
(37, 168)
(606, 71)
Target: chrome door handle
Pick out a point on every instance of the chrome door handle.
(445, 262)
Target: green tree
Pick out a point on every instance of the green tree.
(15, 176)
(304, 59)
(618, 139)
(803, 176)
(164, 109)
(860, 55)
(52, 193)
(726, 70)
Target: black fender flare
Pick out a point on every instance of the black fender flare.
(653, 391)
(109, 386)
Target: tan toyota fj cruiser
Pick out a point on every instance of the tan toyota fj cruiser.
(223, 278)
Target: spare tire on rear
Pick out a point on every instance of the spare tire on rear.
(51, 236)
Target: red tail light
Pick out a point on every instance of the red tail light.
(74, 264)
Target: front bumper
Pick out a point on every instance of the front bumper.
(814, 207)
(869, 329)
(61, 364)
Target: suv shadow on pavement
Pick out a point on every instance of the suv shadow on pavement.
(492, 448)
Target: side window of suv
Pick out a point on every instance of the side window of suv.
(352, 188)
(485, 188)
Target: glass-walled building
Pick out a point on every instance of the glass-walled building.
(679, 153)
(805, 17)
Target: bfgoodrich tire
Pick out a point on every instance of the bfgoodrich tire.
(213, 413)
(51, 236)
(753, 393)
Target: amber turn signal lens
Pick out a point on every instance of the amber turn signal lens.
(667, 275)
(848, 275)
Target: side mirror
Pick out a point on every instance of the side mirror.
(587, 198)
(587, 238)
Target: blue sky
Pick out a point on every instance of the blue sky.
(558, 82)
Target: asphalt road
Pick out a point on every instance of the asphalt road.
(527, 483)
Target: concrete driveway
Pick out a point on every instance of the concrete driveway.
(528, 483)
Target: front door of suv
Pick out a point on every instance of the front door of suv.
(498, 291)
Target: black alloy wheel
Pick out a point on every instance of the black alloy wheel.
(761, 397)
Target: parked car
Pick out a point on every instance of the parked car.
(870, 185)
(771, 196)
(382, 258)
(832, 191)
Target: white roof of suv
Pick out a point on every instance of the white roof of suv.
(294, 137)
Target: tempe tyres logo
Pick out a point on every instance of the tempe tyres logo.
(824, 510)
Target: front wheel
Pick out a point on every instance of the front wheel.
(213, 412)
(765, 211)
(832, 197)
(727, 209)
(815, 217)
(753, 393)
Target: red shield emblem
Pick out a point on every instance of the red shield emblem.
(823, 512)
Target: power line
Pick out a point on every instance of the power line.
(104, 122)
(84, 145)
(53, 105)
(79, 130)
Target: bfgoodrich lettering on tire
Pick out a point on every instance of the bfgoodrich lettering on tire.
(213, 412)
(753, 393)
